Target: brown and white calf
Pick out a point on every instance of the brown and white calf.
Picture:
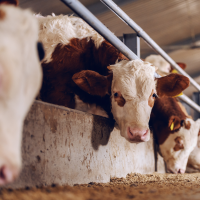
(83, 71)
(20, 81)
(175, 132)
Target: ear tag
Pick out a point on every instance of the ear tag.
(174, 71)
(179, 95)
(172, 126)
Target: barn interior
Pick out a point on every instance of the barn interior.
(174, 26)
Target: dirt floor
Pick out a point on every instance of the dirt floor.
(135, 186)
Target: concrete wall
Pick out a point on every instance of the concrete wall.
(65, 146)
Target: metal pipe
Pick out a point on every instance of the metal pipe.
(124, 17)
(189, 102)
(84, 13)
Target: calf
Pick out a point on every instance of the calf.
(174, 131)
(20, 80)
(83, 71)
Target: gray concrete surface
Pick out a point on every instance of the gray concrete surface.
(65, 146)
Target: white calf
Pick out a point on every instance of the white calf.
(20, 80)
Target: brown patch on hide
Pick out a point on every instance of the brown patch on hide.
(184, 110)
(171, 85)
(12, 2)
(2, 14)
(68, 61)
(119, 99)
(165, 111)
(179, 144)
(187, 125)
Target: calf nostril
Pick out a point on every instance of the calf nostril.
(6, 175)
(2, 173)
(136, 134)
(181, 171)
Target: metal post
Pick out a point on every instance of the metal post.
(132, 41)
(196, 98)
(124, 17)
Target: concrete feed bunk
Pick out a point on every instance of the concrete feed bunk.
(65, 146)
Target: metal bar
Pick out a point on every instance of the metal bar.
(196, 99)
(189, 102)
(84, 13)
(124, 17)
(80, 10)
(132, 41)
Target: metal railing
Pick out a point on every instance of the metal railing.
(85, 14)
(125, 18)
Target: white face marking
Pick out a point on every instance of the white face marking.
(135, 81)
(21, 76)
(61, 29)
(177, 160)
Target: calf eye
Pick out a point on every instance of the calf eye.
(154, 95)
(116, 94)
(40, 49)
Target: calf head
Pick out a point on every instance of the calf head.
(132, 89)
(175, 133)
(20, 80)
(178, 146)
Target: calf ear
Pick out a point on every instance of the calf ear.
(93, 83)
(174, 123)
(13, 2)
(181, 65)
(171, 85)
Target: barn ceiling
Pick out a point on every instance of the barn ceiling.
(169, 22)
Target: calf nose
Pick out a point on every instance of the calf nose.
(7, 175)
(137, 135)
(181, 171)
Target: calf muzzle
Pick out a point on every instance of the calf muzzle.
(8, 175)
(137, 135)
